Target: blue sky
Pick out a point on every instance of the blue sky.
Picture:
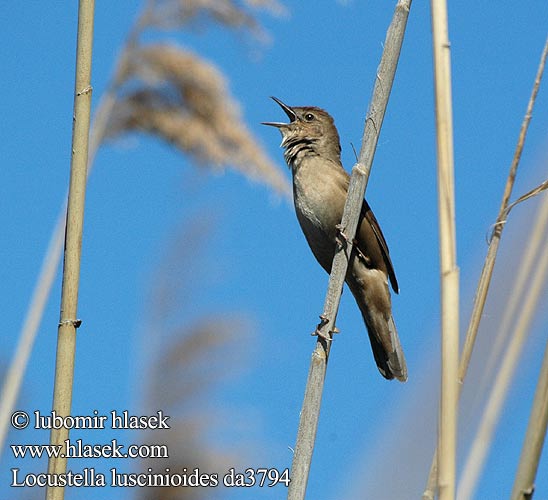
(255, 263)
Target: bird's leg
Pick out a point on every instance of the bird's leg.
(342, 239)
(318, 331)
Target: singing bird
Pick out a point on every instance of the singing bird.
(320, 184)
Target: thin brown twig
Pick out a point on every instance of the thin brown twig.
(538, 274)
(487, 272)
(530, 194)
(533, 442)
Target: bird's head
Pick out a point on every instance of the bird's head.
(310, 129)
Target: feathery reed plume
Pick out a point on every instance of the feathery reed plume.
(169, 92)
(175, 14)
(188, 370)
(239, 146)
(189, 365)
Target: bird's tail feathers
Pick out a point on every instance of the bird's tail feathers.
(373, 299)
(387, 348)
(396, 358)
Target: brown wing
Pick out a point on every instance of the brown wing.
(370, 224)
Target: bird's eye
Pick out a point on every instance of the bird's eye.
(309, 117)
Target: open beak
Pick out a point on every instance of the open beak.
(288, 111)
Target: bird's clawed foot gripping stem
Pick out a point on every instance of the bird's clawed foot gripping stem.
(342, 242)
(320, 333)
(342, 239)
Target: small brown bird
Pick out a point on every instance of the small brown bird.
(320, 185)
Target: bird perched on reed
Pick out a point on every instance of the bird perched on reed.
(320, 184)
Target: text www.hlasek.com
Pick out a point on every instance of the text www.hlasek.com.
(81, 450)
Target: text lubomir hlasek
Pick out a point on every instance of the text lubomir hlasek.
(116, 420)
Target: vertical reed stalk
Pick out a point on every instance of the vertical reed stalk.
(48, 270)
(447, 433)
(66, 340)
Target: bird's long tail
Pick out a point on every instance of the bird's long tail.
(375, 308)
(390, 359)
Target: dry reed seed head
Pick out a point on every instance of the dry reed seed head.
(122, 70)
(193, 83)
(170, 14)
(187, 133)
(197, 358)
(167, 63)
(184, 382)
(275, 8)
(173, 94)
(211, 337)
